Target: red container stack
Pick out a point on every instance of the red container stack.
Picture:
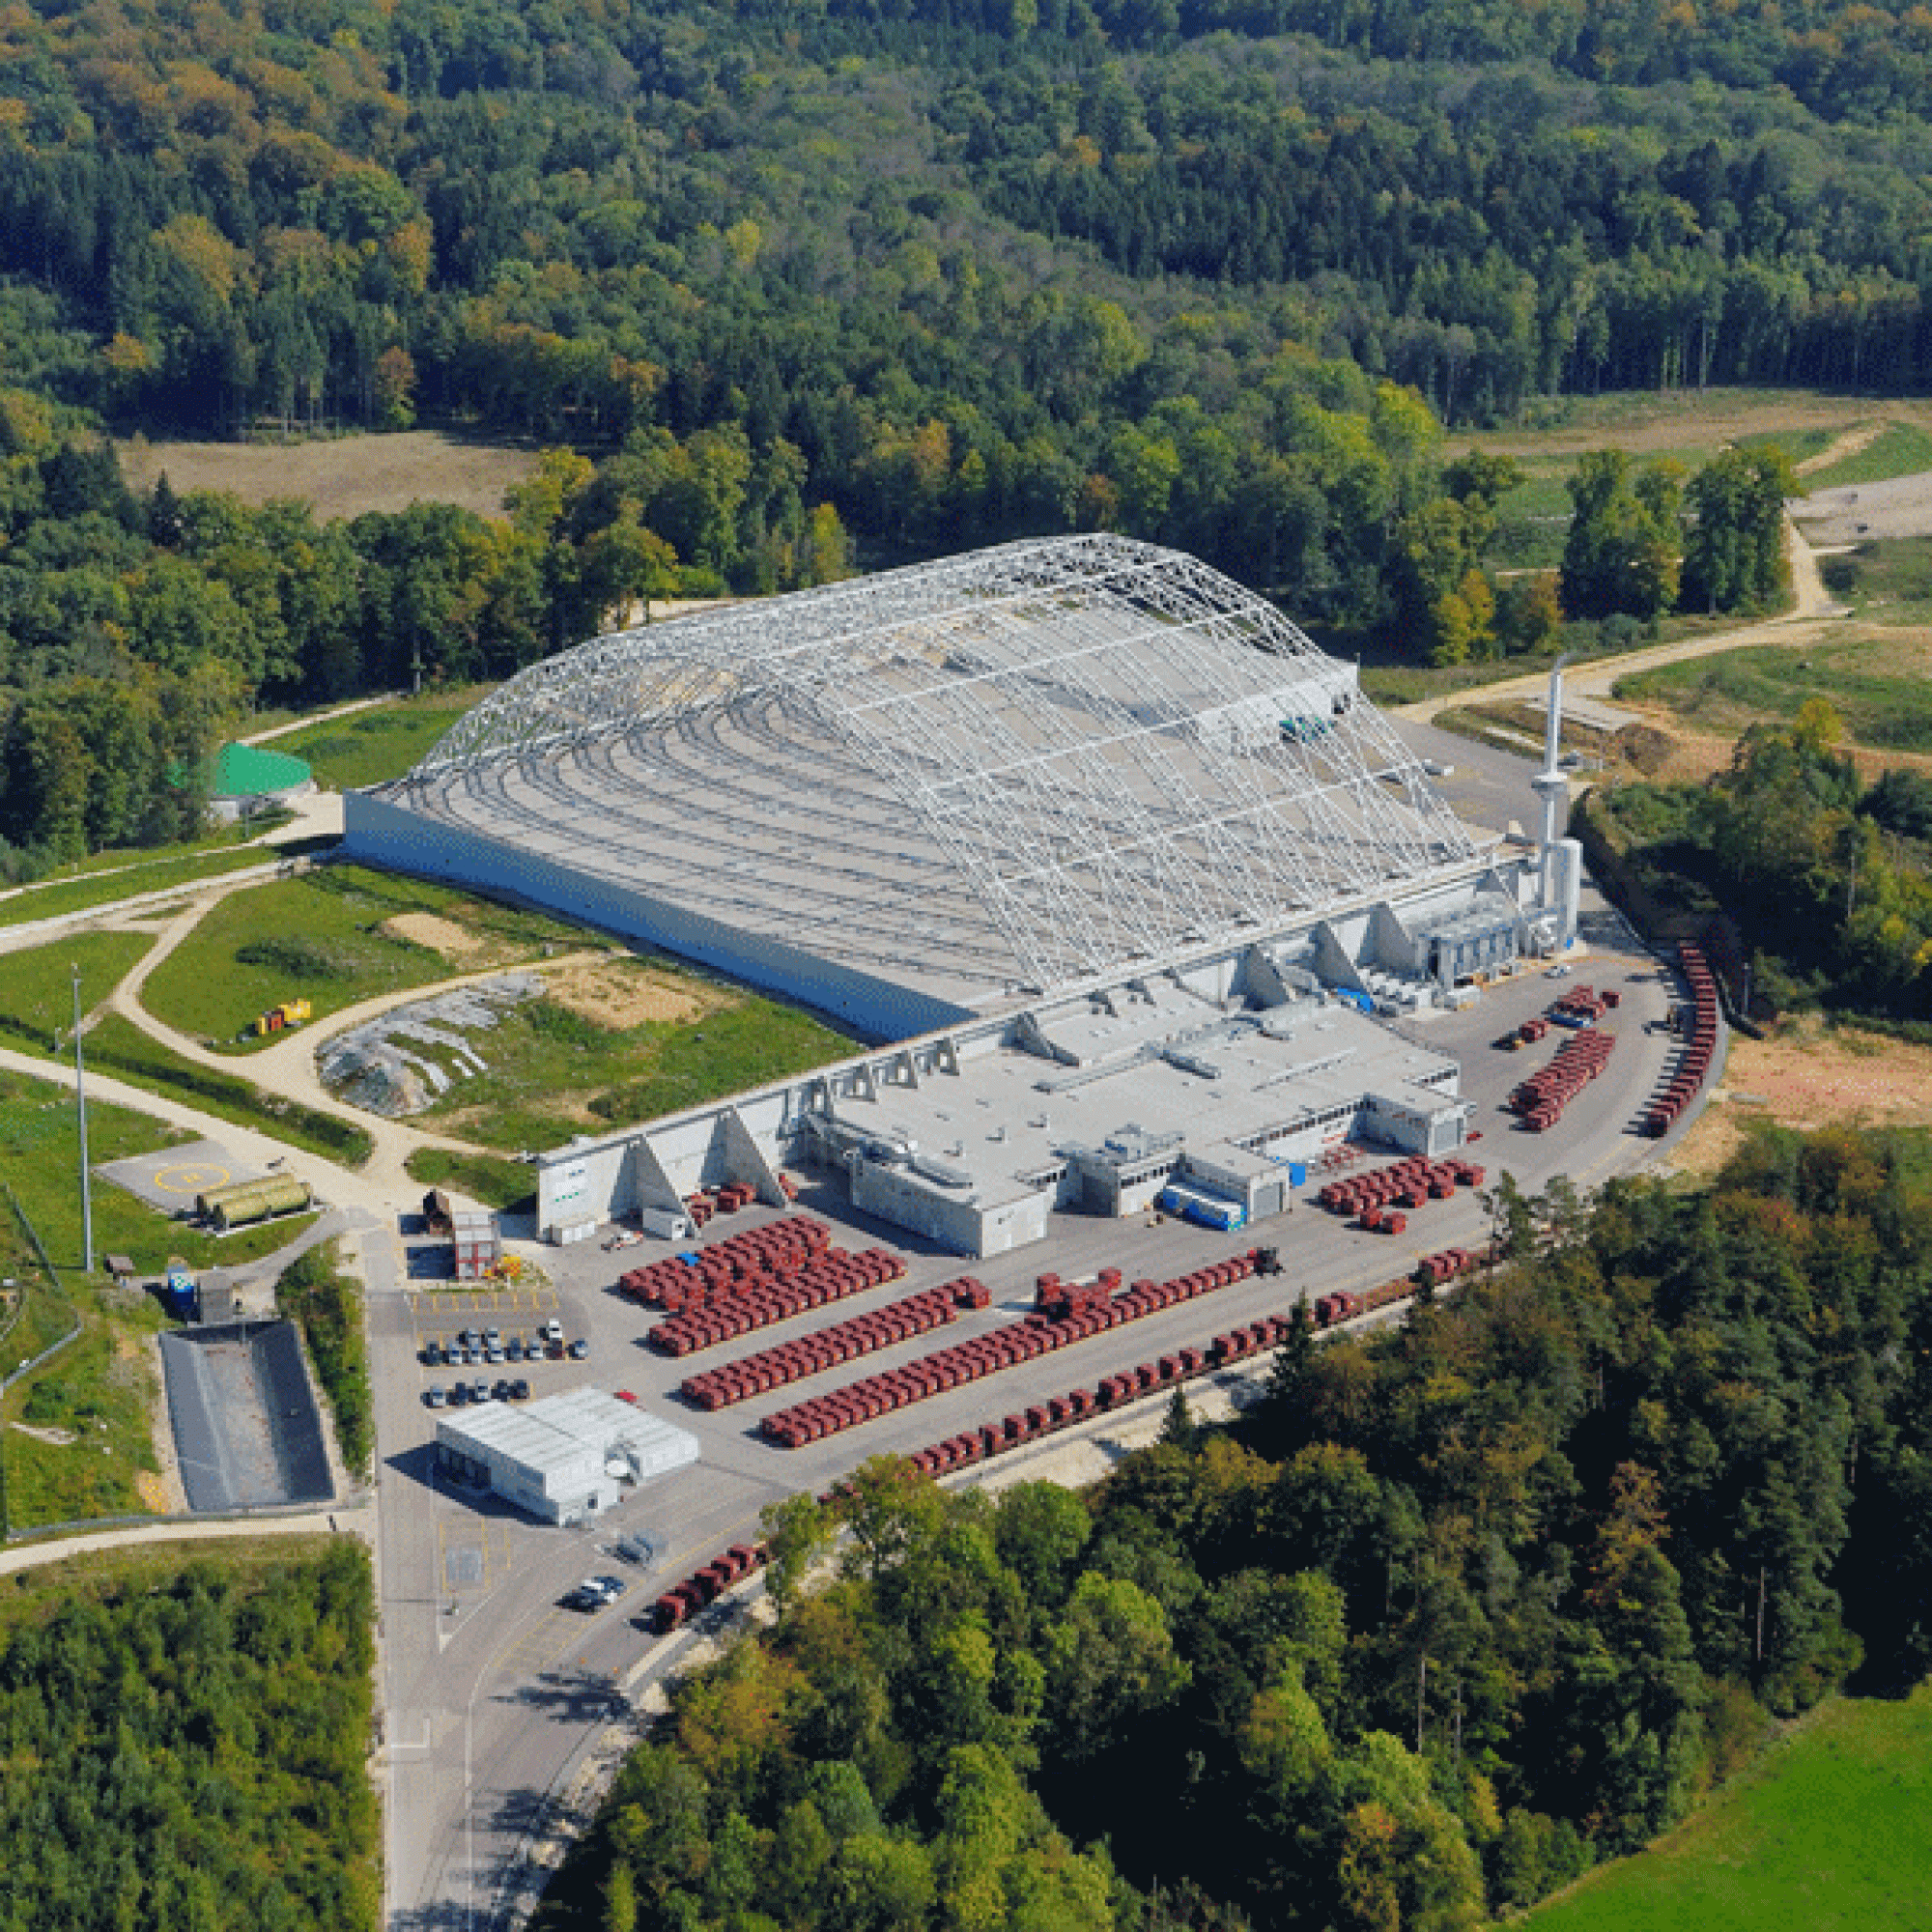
(1407, 1183)
(1694, 1061)
(1033, 1335)
(777, 1250)
(758, 1304)
(841, 1342)
(1541, 1100)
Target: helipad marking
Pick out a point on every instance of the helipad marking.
(191, 1176)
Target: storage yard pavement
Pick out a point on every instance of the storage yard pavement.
(495, 1697)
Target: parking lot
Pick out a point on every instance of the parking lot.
(477, 1591)
(1317, 1251)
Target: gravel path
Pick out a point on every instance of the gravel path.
(1811, 615)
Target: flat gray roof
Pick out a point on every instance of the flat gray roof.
(1010, 1114)
(558, 1432)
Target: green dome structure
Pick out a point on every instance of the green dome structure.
(247, 779)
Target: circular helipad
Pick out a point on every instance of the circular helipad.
(170, 1178)
(189, 1177)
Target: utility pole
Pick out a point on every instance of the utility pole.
(81, 1096)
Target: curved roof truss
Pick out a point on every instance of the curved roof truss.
(1118, 751)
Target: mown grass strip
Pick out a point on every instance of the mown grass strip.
(371, 747)
(496, 1182)
(1832, 1828)
(118, 1047)
(1899, 449)
(109, 888)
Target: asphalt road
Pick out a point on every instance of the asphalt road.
(494, 1692)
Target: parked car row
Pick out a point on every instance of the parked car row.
(594, 1593)
(480, 1347)
(461, 1395)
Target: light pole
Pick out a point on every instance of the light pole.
(81, 1096)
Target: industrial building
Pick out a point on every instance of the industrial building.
(565, 1459)
(1133, 880)
(938, 792)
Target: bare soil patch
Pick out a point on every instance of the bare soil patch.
(619, 995)
(1807, 1075)
(442, 936)
(345, 477)
(1669, 421)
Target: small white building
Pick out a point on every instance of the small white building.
(565, 1459)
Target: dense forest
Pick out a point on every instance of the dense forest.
(190, 1750)
(1461, 1608)
(786, 289)
(1828, 879)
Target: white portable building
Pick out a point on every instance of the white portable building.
(565, 1459)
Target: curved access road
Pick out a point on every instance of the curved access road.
(1812, 614)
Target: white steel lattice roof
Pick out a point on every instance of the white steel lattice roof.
(1012, 769)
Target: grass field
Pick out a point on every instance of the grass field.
(105, 888)
(496, 1183)
(1880, 688)
(117, 1046)
(1830, 1831)
(341, 476)
(1886, 582)
(38, 1143)
(327, 937)
(1899, 449)
(96, 1398)
(370, 747)
(555, 1072)
(37, 990)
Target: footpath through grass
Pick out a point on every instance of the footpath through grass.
(371, 747)
(335, 936)
(1830, 1831)
(108, 888)
(1879, 687)
(1899, 449)
(36, 1005)
(37, 985)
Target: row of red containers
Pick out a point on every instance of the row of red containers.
(987, 1355)
(1585, 1003)
(1056, 1297)
(831, 1278)
(1695, 1062)
(1042, 1418)
(759, 1254)
(1027, 1425)
(842, 1342)
(1541, 1098)
(1411, 1182)
(1444, 1266)
(706, 1585)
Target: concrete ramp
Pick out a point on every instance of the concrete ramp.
(249, 1433)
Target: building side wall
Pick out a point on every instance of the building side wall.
(387, 835)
